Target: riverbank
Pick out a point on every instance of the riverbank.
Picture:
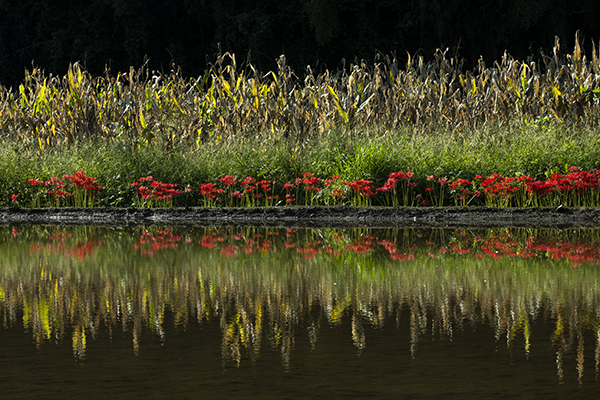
(323, 217)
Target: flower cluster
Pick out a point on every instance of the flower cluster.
(154, 193)
(77, 190)
(402, 179)
(85, 188)
(362, 190)
(574, 188)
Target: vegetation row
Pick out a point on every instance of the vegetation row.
(576, 188)
(231, 100)
(519, 122)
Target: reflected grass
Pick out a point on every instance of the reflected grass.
(72, 282)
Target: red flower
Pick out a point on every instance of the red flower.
(228, 180)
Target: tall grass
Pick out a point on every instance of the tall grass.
(237, 100)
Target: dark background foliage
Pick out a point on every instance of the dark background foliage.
(118, 34)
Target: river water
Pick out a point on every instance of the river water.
(159, 312)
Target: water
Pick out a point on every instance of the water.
(279, 313)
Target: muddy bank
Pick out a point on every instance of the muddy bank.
(334, 217)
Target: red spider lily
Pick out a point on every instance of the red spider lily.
(55, 181)
(249, 185)
(330, 181)
(289, 198)
(156, 193)
(35, 182)
(55, 187)
(60, 194)
(395, 180)
(338, 194)
(208, 190)
(247, 181)
(311, 182)
(267, 186)
(361, 186)
(500, 191)
(437, 199)
(210, 194)
(233, 195)
(421, 201)
(80, 180)
(86, 188)
(228, 180)
(463, 192)
(576, 188)
(584, 187)
(311, 186)
(363, 191)
(460, 183)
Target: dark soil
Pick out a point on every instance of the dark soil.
(333, 217)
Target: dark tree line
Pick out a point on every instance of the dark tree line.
(122, 33)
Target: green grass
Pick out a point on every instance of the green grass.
(509, 149)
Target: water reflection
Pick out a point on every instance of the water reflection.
(264, 286)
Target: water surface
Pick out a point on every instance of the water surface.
(221, 312)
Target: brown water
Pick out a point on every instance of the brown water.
(189, 365)
(87, 313)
